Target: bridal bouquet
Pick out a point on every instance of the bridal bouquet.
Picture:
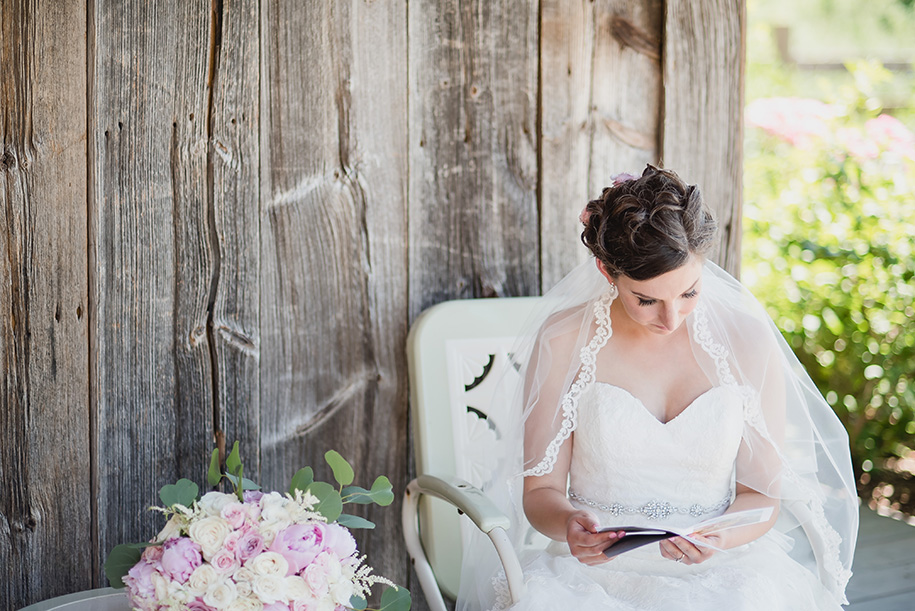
(250, 550)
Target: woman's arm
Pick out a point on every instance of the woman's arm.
(549, 511)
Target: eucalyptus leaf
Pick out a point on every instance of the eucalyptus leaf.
(343, 472)
(395, 599)
(302, 479)
(214, 474)
(233, 460)
(247, 484)
(351, 521)
(357, 603)
(330, 505)
(183, 492)
(381, 493)
(121, 559)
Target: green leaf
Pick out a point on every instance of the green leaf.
(343, 472)
(382, 493)
(233, 461)
(214, 474)
(351, 521)
(121, 559)
(330, 505)
(302, 479)
(183, 492)
(357, 603)
(395, 599)
(247, 484)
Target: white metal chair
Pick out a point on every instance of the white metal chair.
(458, 354)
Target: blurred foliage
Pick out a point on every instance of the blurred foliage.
(829, 248)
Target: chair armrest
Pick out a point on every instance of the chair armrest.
(467, 498)
(482, 512)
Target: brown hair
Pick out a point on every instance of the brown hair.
(648, 226)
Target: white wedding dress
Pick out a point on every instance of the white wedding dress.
(630, 469)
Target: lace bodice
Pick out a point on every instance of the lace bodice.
(623, 455)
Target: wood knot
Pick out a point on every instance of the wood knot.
(631, 36)
(7, 161)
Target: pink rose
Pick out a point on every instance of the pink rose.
(198, 605)
(225, 562)
(277, 606)
(339, 540)
(249, 545)
(235, 514)
(139, 579)
(299, 544)
(230, 543)
(180, 558)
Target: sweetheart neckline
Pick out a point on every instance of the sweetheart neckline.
(645, 409)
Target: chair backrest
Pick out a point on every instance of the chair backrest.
(458, 355)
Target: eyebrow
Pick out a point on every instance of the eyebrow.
(643, 296)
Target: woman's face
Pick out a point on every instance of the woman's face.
(661, 304)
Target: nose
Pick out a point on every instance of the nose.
(670, 318)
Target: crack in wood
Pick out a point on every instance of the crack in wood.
(216, 33)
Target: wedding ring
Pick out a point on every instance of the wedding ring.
(682, 556)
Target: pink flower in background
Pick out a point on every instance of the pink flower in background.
(799, 121)
(622, 177)
(857, 143)
(198, 605)
(890, 134)
(339, 540)
(299, 544)
(277, 606)
(179, 558)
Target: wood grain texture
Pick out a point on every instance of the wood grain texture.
(703, 108)
(154, 256)
(600, 105)
(333, 255)
(45, 533)
(473, 151)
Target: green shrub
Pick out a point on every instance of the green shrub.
(829, 248)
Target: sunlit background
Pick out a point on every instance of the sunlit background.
(829, 217)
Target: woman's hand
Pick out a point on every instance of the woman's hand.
(585, 540)
(687, 552)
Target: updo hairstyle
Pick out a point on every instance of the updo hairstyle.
(648, 226)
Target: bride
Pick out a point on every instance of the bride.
(657, 393)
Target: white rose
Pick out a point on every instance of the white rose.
(342, 592)
(244, 588)
(244, 575)
(297, 589)
(245, 603)
(220, 595)
(268, 531)
(201, 579)
(269, 563)
(270, 588)
(275, 510)
(214, 502)
(209, 533)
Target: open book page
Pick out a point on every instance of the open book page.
(637, 536)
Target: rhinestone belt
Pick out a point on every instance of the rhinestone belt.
(653, 510)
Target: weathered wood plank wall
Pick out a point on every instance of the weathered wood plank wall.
(45, 518)
(220, 217)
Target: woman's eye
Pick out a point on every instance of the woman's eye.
(691, 294)
(646, 302)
